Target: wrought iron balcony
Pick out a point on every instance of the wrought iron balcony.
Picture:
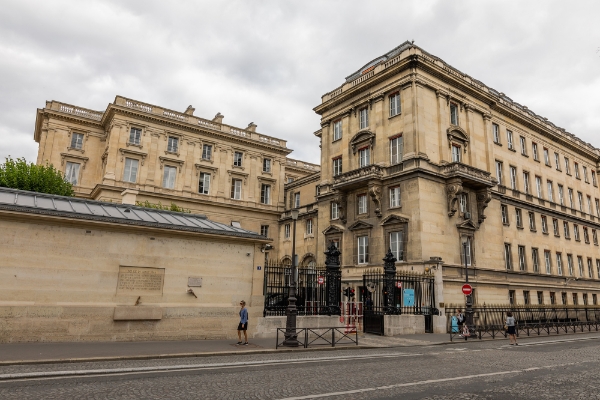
(357, 176)
(471, 176)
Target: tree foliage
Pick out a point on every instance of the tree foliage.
(160, 206)
(18, 174)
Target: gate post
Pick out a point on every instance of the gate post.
(389, 283)
(333, 276)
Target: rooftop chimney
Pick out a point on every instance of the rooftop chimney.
(218, 118)
(251, 127)
(190, 110)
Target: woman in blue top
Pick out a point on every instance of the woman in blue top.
(243, 325)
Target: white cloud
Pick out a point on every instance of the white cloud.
(270, 61)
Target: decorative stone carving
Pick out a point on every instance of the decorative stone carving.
(375, 193)
(483, 198)
(364, 136)
(453, 189)
(457, 134)
(342, 202)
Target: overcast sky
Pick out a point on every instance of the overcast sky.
(269, 62)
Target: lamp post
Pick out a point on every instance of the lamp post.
(291, 337)
(469, 300)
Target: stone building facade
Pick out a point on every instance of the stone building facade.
(426, 160)
(138, 152)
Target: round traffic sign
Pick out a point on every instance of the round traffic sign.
(467, 289)
(399, 284)
(321, 280)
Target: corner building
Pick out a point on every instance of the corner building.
(423, 159)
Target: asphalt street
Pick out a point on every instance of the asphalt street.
(562, 367)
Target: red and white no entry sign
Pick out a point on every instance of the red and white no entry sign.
(399, 285)
(467, 289)
(321, 280)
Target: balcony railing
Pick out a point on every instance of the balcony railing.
(473, 175)
(360, 174)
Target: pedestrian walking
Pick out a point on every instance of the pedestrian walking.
(511, 328)
(243, 325)
(460, 318)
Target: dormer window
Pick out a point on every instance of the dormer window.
(455, 153)
(453, 114)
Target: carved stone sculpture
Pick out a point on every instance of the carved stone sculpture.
(453, 189)
(375, 193)
(483, 198)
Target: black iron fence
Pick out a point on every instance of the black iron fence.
(321, 336)
(311, 293)
(489, 320)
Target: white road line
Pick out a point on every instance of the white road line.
(183, 367)
(552, 342)
(427, 382)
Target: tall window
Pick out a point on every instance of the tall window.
(266, 165)
(595, 236)
(206, 152)
(526, 182)
(264, 230)
(594, 181)
(535, 258)
(72, 173)
(337, 130)
(544, 224)
(236, 189)
(534, 149)
(509, 139)
(519, 217)
(523, 146)
(337, 166)
(76, 141)
(555, 227)
(570, 263)
(589, 201)
(566, 229)
(396, 245)
(580, 265)
(567, 166)
(169, 177)
(580, 198)
(394, 104)
(550, 192)
(531, 221)
(135, 136)
(561, 195)
(363, 115)
(576, 167)
(364, 157)
(504, 213)
(309, 226)
(507, 256)
(563, 298)
(585, 174)
(363, 249)
(395, 196)
(499, 172)
(453, 114)
(575, 299)
(522, 263)
(571, 197)
(557, 161)
(265, 194)
(511, 297)
(586, 235)
(526, 298)
(597, 207)
(590, 268)
(597, 270)
(173, 144)
(455, 153)
(538, 186)
(496, 132)
(131, 169)
(466, 251)
(335, 210)
(513, 177)
(548, 260)
(396, 149)
(463, 202)
(546, 157)
(237, 159)
(540, 297)
(286, 231)
(204, 183)
(559, 269)
(296, 200)
(362, 203)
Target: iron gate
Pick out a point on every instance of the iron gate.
(412, 293)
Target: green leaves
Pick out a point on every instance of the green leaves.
(160, 206)
(17, 174)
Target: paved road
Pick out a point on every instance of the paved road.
(565, 367)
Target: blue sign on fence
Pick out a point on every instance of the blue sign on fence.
(408, 297)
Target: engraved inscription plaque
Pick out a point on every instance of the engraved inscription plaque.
(140, 280)
(194, 281)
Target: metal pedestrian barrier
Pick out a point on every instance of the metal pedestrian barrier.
(320, 336)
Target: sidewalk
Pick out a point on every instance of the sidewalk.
(25, 353)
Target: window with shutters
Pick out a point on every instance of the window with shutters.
(266, 165)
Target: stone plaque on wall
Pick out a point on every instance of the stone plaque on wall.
(194, 281)
(140, 280)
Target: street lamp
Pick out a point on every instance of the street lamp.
(291, 337)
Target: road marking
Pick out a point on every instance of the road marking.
(184, 367)
(544, 342)
(427, 382)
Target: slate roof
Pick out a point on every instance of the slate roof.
(73, 207)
